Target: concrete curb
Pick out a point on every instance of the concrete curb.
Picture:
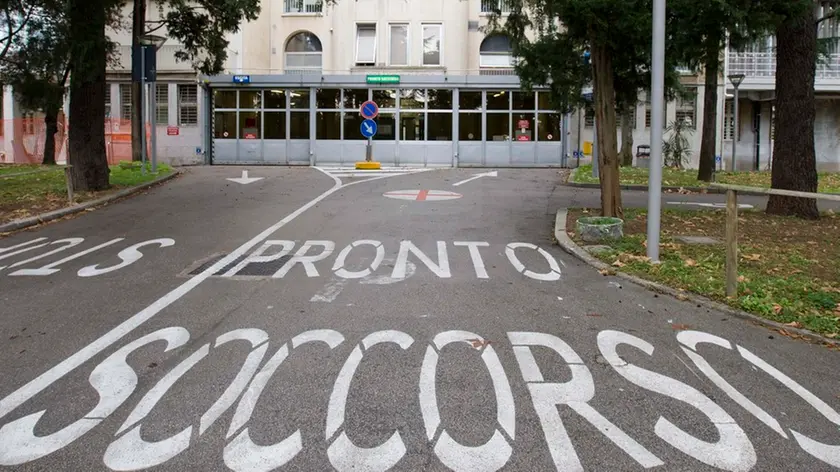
(644, 188)
(62, 212)
(566, 243)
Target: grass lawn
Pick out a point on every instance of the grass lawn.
(6, 169)
(31, 194)
(788, 268)
(828, 182)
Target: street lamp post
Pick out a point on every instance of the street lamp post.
(736, 80)
(657, 121)
(153, 42)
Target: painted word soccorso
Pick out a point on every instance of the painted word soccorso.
(115, 381)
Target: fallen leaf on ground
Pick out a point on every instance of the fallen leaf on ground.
(593, 315)
(478, 343)
(680, 327)
(682, 297)
(752, 257)
(794, 324)
(832, 335)
(618, 263)
(742, 279)
(777, 309)
(606, 272)
(690, 263)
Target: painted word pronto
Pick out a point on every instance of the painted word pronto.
(127, 256)
(115, 381)
(373, 253)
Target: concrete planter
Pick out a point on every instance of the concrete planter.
(595, 229)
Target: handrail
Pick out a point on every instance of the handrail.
(732, 223)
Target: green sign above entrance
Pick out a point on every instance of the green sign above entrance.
(383, 79)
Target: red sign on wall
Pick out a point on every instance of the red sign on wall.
(523, 124)
(173, 131)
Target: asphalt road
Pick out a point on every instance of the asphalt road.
(309, 322)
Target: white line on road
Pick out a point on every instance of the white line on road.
(477, 176)
(38, 384)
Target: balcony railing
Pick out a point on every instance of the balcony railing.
(489, 6)
(303, 7)
(401, 71)
(762, 65)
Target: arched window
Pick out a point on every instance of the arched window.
(303, 53)
(495, 51)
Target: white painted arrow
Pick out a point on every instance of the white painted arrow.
(368, 128)
(245, 180)
(477, 176)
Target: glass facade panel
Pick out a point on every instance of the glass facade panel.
(469, 126)
(413, 126)
(299, 99)
(544, 101)
(353, 98)
(224, 125)
(385, 98)
(524, 101)
(387, 129)
(224, 98)
(352, 126)
(523, 127)
(275, 99)
(250, 99)
(442, 99)
(328, 98)
(549, 127)
(412, 99)
(498, 100)
(469, 100)
(498, 126)
(249, 125)
(274, 125)
(299, 125)
(440, 126)
(327, 125)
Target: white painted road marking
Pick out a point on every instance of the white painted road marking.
(115, 382)
(38, 384)
(245, 180)
(422, 195)
(477, 176)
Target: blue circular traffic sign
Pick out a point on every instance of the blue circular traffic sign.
(369, 109)
(368, 128)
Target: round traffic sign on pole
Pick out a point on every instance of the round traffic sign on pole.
(369, 109)
(368, 128)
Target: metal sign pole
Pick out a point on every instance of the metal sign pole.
(656, 125)
(153, 120)
(369, 150)
(142, 106)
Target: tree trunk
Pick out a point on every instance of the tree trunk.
(51, 125)
(794, 156)
(138, 28)
(604, 92)
(708, 139)
(88, 52)
(627, 134)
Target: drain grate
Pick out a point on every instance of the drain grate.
(254, 269)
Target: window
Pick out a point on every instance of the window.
(442, 99)
(385, 98)
(187, 105)
(412, 126)
(328, 125)
(125, 101)
(274, 125)
(249, 124)
(495, 51)
(490, 6)
(728, 122)
(162, 104)
(469, 126)
(412, 99)
(304, 7)
(498, 100)
(275, 99)
(366, 44)
(440, 126)
(224, 125)
(299, 99)
(107, 101)
(432, 45)
(470, 100)
(328, 98)
(648, 114)
(618, 117)
(398, 45)
(589, 117)
(687, 109)
(549, 127)
(224, 98)
(303, 53)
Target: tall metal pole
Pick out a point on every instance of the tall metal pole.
(596, 170)
(153, 119)
(656, 124)
(142, 106)
(734, 130)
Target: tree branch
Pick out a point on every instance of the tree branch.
(161, 25)
(830, 15)
(8, 40)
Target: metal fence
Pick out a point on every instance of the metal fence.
(303, 6)
(489, 6)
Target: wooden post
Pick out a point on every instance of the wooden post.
(731, 243)
(69, 180)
